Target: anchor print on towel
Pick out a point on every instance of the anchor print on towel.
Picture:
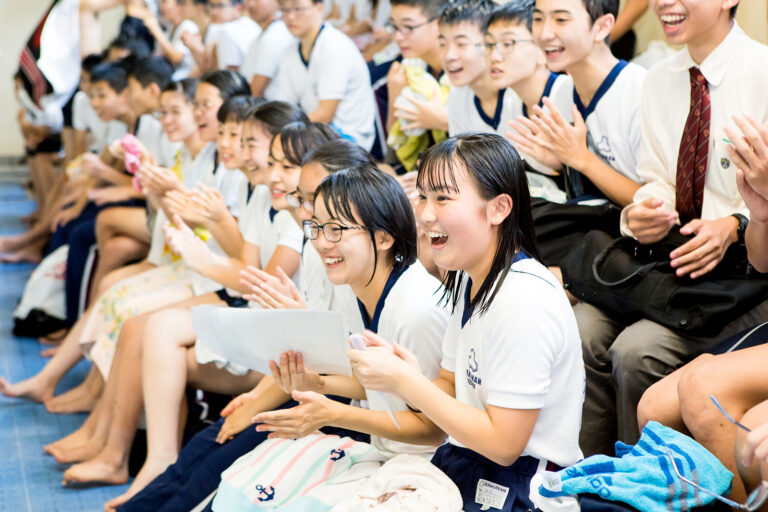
(337, 454)
(265, 493)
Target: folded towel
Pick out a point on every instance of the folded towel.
(642, 475)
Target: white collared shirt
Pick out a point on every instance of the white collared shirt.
(737, 72)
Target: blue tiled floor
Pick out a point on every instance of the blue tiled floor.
(30, 480)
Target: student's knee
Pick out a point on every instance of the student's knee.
(105, 222)
(693, 389)
(651, 404)
(596, 336)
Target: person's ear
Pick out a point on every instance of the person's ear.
(602, 27)
(499, 208)
(729, 4)
(384, 241)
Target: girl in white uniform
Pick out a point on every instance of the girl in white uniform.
(364, 230)
(511, 383)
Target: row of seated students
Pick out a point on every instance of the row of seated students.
(276, 202)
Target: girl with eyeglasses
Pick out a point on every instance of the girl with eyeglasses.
(511, 381)
(196, 472)
(363, 229)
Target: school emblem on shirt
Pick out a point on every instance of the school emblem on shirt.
(337, 454)
(725, 163)
(602, 147)
(265, 493)
(473, 379)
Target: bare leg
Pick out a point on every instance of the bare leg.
(116, 250)
(32, 253)
(661, 403)
(751, 475)
(83, 398)
(90, 29)
(715, 375)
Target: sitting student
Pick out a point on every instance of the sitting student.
(324, 73)
(171, 42)
(262, 61)
(681, 400)
(197, 471)
(603, 142)
(363, 228)
(696, 84)
(515, 61)
(475, 103)
(510, 405)
(263, 237)
(231, 33)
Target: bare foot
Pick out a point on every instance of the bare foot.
(27, 254)
(49, 352)
(149, 471)
(11, 243)
(83, 398)
(35, 388)
(31, 218)
(96, 471)
(82, 444)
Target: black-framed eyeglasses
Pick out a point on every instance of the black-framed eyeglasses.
(287, 11)
(296, 201)
(332, 231)
(406, 30)
(503, 47)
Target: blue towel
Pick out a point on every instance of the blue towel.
(642, 475)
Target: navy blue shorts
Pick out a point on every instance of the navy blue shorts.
(467, 468)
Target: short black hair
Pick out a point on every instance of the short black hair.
(136, 46)
(152, 70)
(91, 61)
(112, 73)
(518, 12)
(474, 11)
(597, 8)
(228, 82)
(733, 10)
(186, 87)
(297, 139)
(381, 205)
(430, 8)
(236, 108)
(494, 167)
(274, 115)
(339, 154)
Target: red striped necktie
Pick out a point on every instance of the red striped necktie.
(694, 148)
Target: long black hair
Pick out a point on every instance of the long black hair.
(381, 205)
(494, 168)
(297, 139)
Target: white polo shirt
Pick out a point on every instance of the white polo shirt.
(336, 71)
(233, 39)
(187, 64)
(85, 119)
(524, 352)
(737, 85)
(263, 57)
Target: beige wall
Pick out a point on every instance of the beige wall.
(17, 20)
(18, 17)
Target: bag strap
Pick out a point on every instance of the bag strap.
(638, 273)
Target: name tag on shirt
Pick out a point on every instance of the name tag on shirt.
(490, 495)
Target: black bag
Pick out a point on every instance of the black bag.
(560, 227)
(631, 281)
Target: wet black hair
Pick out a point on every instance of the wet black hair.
(495, 168)
(298, 139)
(519, 12)
(474, 11)
(237, 109)
(91, 61)
(229, 83)
(112, 73)
(430, 8)
(186, 87)
(339, 154)
(381, 205)
(152, 70)
(274, 115)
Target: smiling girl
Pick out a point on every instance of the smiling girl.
(511, 382)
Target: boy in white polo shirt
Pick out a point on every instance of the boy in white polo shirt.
(229, 35)
(603, 142)
(687, 101)
(324, 73)
(263, 58)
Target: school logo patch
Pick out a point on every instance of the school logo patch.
(602, 147)
(725, 163)
(473, 379)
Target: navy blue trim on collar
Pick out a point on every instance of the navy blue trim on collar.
(215, 161)
(492, 122)
(272, 213)
(607, 83)
(469, 311)
(136, 125)
(251, 188)
(547, 91)
(301, 55)
(373, 323)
